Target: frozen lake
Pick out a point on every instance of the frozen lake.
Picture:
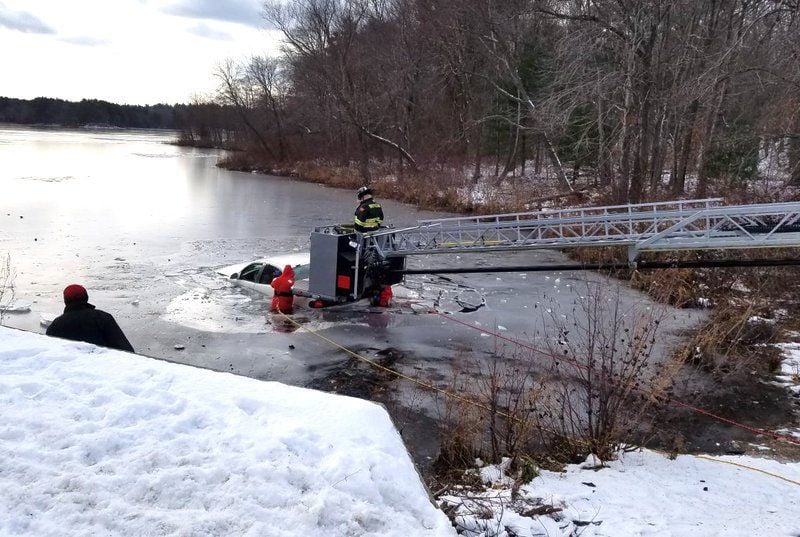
(143, 224)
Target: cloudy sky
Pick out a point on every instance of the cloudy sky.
(124, 51)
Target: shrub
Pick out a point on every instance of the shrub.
(6, 285)
(605, 382)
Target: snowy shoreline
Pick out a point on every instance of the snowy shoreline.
(104, 442)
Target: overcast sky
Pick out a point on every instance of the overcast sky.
(124, 51)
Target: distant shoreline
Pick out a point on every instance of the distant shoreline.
(88, 126)
(45, 111)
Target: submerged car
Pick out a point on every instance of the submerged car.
(258, 275)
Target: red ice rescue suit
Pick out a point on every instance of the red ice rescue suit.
(283, 299)
(382, 298)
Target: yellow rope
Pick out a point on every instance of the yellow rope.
(418, 382)
(480, 405)
(707, 458)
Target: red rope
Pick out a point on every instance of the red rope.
(676, 402)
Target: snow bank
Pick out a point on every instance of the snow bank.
(643, 493)
(98, 442)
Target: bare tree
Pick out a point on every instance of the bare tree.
(269, 77)
(237, 91)
(607, 381)
(6, 286)
(647, 97)
(324, 43)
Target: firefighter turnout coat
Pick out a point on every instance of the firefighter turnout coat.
(369, 216)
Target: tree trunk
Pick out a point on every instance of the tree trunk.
(363, 158)
(557, 163)
(476, 173)
(793, 151)
(603, 173)
(679, 183)
(511, 161)
(794, 159)
(657, 156)
(710, 124)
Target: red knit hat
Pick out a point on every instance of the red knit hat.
(75, 293)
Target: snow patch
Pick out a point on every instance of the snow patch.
(789, 373)
(641, 493)
(705, 302)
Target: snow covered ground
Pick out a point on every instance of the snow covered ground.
(642, 493)
(98, 442)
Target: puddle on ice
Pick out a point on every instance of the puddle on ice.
(212, 304)
(204, 309)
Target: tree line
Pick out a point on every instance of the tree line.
(47, 111)
(648, 98)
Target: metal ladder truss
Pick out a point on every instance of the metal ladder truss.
(676, 225)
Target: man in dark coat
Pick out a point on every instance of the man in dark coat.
(81, 321)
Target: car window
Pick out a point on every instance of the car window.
(250, 272)
(269, 274)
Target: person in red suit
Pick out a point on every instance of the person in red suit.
(283, 299)
(385, 298)
(382, 297)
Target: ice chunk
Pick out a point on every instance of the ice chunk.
(15, 308)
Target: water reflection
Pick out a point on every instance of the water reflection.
(74, 202)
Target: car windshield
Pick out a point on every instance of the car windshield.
(250, 272)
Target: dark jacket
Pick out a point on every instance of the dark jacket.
(83, 322)
(369, 216)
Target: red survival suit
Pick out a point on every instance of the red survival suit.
(283, 299)
(385, 298)
(382, 298)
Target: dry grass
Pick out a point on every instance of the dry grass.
(440, 188)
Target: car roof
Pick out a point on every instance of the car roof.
(299, 258)
(280, 261)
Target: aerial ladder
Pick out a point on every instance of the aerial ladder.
(347, 266)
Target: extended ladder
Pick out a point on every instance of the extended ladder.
(676, 225)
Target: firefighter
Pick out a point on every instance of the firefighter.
(369, 213)
(283, 298)
(385, 296)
